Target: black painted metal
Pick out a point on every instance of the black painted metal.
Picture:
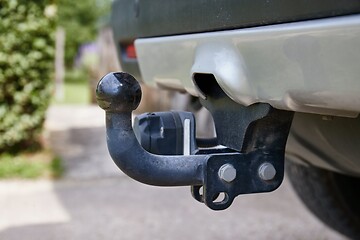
(247, 180)
(207, 142)
(133, 19)
(241, 128)
(119, 93)
(163, 132)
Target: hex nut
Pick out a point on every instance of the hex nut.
(267, 171)
(227, 172)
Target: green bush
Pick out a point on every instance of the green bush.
(26, 67)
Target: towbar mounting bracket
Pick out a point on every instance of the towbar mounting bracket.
(251, 159)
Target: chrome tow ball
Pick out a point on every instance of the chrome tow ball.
(209, 171)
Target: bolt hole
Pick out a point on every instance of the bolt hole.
(220, 198)
(198, 193)
(201, 191)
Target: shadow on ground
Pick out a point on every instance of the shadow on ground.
(119, 208)
(84, 152)
(96, 201)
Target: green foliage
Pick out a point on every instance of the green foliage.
(11, 167)
(26, 67)
(80, 20)
(40, 164)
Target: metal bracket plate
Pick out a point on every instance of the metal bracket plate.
(262, 141)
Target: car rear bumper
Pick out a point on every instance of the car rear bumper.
(309, 66)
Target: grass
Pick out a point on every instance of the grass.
(41, 164)
(76, 88)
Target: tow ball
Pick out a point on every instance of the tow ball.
(246, 157)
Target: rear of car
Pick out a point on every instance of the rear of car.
(300, 56)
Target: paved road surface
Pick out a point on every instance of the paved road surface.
(95, 201)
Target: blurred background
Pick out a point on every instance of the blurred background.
(52, 55)
(57, 179)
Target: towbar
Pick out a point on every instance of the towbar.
(119, 94)
(210, 172)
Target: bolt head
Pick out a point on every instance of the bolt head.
(267, 171)
(227, 173)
